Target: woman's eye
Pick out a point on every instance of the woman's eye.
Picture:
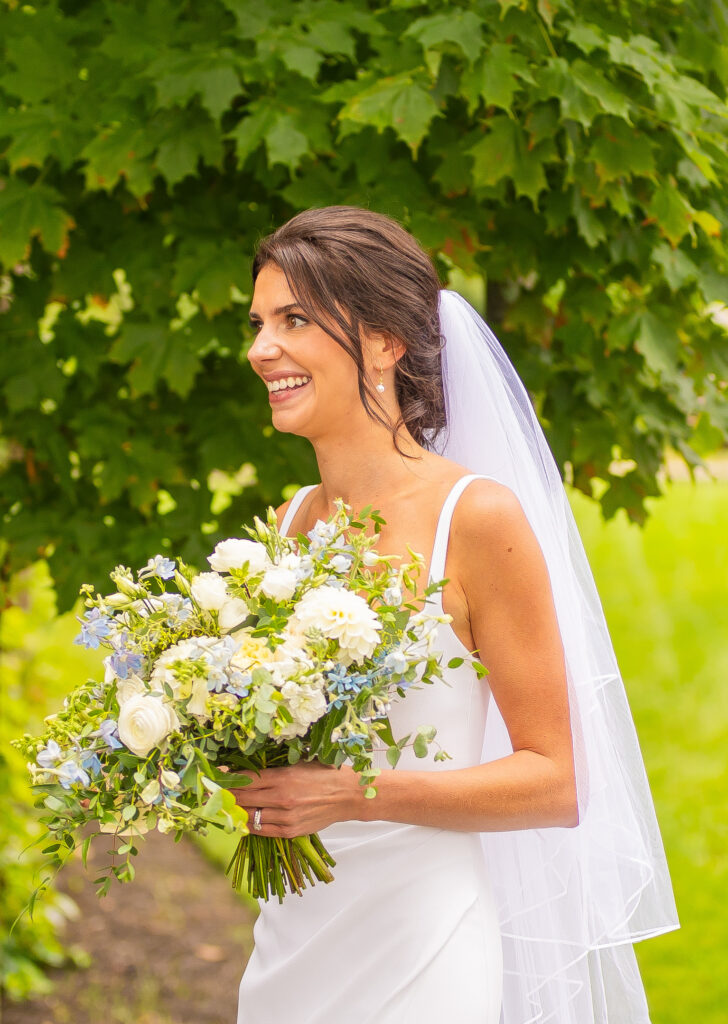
(295, 316)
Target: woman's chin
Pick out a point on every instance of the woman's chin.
(291, 413)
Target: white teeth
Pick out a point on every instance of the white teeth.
(287, 382)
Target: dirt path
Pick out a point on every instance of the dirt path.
(169, 948)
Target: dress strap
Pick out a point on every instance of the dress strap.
(293, 508)
(442, 533)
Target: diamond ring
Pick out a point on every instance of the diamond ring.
(256, 820)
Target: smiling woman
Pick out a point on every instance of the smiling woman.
(508, 883)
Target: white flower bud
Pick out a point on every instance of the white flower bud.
(209, 591)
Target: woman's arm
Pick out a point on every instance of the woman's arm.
(513, 621)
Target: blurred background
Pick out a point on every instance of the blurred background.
(564, 165)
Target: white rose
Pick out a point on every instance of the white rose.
(278, 583)
(232, 613)
(340, 615)
(128, 688)
(209, 590)
(233, 553)
(144, 721)
(306, 703)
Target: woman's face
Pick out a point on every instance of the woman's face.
(288, 347)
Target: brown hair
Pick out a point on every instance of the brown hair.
(352, 259)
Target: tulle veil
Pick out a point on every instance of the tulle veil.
(571, 901)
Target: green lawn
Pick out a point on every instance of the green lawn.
(663, 589)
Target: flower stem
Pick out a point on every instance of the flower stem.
(268, 866)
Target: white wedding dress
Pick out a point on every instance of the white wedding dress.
(407, 932)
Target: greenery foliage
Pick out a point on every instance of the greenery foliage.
(570, 155)
(37, 661)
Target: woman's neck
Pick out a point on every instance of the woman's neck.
(366, 466)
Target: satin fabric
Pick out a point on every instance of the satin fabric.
(408, 929)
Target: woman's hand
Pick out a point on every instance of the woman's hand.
(299, 799)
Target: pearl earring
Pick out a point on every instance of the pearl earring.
(380, 385)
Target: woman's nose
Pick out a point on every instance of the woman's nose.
(264, 345)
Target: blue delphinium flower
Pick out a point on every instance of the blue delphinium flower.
(355, 740)
(320, 536)
(126, 663)
(95, 627)
(158, 566)
(341, 563)
(90, 761)
(216, 657)
(343, 684)
(239, 683)
(217, 679)
(395, 661)
(178, 608)
(49, 755)
(70, 772)
(108, 732)
(126, 660)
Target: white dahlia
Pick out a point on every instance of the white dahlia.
(341, 616)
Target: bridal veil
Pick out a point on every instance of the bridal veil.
(571, 901)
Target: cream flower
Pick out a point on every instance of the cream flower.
(232, 613)
(144, 722)
(127, 688)
(278, 583)
(252, 651)
(306, 703)
(342, 616)
(197, 704)
(288, 659)
(209, 591)
(233, 553)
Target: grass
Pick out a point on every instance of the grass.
(663, 592)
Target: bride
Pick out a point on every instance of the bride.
(509, 882)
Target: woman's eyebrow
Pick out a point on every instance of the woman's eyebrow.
(276, 312)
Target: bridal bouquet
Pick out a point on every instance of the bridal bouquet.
(286, 650)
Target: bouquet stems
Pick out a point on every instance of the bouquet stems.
(270, 865)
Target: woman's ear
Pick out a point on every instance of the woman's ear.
(385, 349)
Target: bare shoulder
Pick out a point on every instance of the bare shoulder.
(488, 504)
(489, 519)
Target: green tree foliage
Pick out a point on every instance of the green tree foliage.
(569, 154)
